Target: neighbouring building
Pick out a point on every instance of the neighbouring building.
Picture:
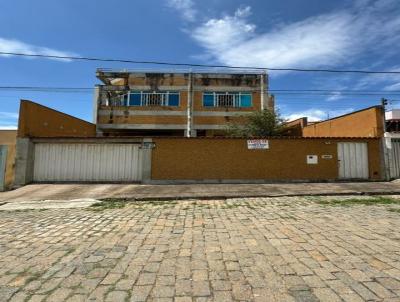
(392, 123)
(367, 122)
(40, 122)
(132, 103)
(8, 140)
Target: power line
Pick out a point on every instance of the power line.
(270, 90)
(322, 92)
(195, 65)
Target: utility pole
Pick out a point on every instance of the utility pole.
(384, 103)
(385, 143)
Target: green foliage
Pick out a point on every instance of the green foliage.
(360, 201)
(107, 204)
(258, 124)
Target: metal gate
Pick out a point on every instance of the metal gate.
(394, 158)
(87, 162)
(353, 160)
(3, 161)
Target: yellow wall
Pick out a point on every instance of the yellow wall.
(9, 138)
(142, 119)
(364, 123)
(207, 158)
(36, 120)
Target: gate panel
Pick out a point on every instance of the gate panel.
(394, 158)
(353, 160)
(87, 162)
(3, 163)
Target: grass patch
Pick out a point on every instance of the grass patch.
(108, 204)
(360, 201)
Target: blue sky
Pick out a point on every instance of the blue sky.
(340, 34)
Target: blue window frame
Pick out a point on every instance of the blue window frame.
(245, 100)
(149, 98)
(135, 99)
(208, 99)
(227, 99)
(173, 99)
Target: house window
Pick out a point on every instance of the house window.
(227, 99)
(146, 98)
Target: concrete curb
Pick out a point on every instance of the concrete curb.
(219, 197)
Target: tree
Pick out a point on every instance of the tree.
(258, 124)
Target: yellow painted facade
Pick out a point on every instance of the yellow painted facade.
(117, 114)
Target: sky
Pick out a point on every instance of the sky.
(340, 34)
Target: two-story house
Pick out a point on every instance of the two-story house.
(176, 103)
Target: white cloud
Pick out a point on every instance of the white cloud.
(393, 87)
(221, 35)
(386, 80)
(315, 115)
(8, 120)
(325, 40)
(185, 7)
(8, 127)
(16, 46)
(334, 96)
(8, 115)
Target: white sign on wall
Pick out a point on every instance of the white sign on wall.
(257, 144)
(312, 159)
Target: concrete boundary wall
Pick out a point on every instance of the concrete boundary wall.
(229, 160)
(221, 160)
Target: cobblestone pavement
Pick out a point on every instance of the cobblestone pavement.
(263, 249)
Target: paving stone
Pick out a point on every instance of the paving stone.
(200, 288)
(77, 298)
(59, 295)
(253, 249)
(19, 297)
(111, 278)
(146, 279)
(223, 296)
(183, 287)
(389, 283)
(183, 299)
(162, 291)
(37, 298)
(140, 293)
(241, 291)
(326, 294)
(117, 296)
(379, 290)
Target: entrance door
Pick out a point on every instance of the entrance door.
(353, 160)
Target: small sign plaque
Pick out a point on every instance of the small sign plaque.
(326, 156)
(312, 159)
(257, 144)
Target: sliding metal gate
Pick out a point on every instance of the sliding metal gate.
(87, 162)
(394, 158)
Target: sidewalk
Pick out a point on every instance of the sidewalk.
(37, 192)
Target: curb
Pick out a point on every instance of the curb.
(215, 197)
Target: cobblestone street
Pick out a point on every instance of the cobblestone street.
(252, 249)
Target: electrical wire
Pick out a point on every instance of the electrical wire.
(306, 92)
(195, 65)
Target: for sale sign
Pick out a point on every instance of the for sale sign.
(257, 144)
